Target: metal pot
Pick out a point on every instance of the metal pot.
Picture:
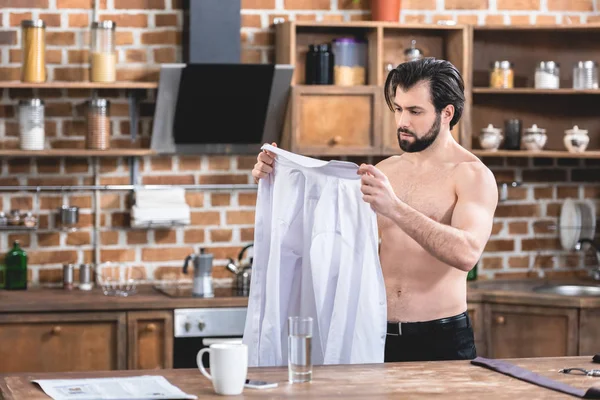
(243, 273)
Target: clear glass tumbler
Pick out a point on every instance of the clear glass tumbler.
(299, 349)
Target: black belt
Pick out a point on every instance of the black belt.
(437, 325)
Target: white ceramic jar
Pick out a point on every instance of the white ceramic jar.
(490, 138)
(576, 140)
(534, 138)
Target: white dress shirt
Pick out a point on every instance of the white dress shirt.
(315, 254)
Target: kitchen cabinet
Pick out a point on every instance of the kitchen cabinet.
(150, 339)
(475, 311)
(60, 342)
(528, 331)
(339, 120)
(335, 121)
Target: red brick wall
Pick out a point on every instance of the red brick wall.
(149, 33)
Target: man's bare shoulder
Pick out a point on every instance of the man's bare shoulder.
(471, 174)
(389, 163)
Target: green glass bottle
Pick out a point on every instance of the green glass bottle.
(16, 268)
(2, 275)
(472, 275)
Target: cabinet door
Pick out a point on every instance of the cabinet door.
(475, 311)
(150, 339)
(330, 120)
(524, 331)
(62, 342)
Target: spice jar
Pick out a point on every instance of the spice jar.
(68, 271)
(85, 277)
(103, 61)
(15, 218)
(29, 220)
(31, 124)
(350, 62)
(33, 41)
(98, 124)
(3, 219)
(547, 75)
(502, 75)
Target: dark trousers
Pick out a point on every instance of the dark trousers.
(443, 339)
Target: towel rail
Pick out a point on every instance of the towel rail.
(71, 188)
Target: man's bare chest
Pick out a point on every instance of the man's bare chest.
(432, 194)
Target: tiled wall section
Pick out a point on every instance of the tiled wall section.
(149, 33)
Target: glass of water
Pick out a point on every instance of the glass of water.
(299, 349)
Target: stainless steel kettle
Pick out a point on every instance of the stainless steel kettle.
(203, 285)
(243, 273)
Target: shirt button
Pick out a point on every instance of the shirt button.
(381, 303)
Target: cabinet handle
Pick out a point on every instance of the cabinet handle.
(336, 140)
(56, 330)
(150, 327)
(500, 320)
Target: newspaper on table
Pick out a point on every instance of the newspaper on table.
(144, 387)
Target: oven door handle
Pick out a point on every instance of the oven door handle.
(209, 341)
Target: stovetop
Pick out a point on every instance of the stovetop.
(185, 291)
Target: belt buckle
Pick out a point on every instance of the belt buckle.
(399, 328)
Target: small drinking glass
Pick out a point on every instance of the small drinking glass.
(299, 349)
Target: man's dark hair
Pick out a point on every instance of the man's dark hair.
(445, 83)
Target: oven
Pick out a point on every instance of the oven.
(197, 328)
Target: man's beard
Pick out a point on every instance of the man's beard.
(422, 143)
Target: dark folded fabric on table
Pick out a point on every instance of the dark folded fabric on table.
(531, 377)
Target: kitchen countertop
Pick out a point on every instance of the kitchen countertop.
(414, 380)
(148, 298)
(521, 292)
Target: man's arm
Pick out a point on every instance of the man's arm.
(461, 243)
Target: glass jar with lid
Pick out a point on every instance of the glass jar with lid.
(585, 75)
(33, 45)
(31, 124)
(350, 62)
(412, 53)
(98, 124)
(547, 75)
(502, 75)
(103, 63)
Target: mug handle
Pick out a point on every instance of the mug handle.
(199, 362)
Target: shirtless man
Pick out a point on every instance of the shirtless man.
(435, 205)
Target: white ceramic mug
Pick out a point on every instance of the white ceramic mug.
(228, 365)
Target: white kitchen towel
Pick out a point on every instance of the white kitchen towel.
(159, 197)
(155, 207)
(315, 254)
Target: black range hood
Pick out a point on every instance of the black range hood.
(212, 103)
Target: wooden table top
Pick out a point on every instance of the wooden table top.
(414, 380)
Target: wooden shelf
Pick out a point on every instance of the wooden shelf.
(536, 154)
(78, 85)
(374, 24)
(77, 153)
(534, 91)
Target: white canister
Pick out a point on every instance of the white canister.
(31, 124)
